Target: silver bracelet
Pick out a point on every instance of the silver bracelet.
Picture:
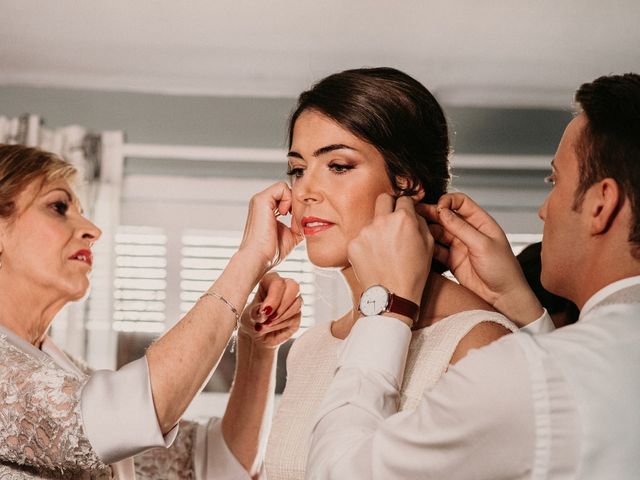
(233, 309)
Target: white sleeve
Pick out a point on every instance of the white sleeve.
(476, 423)
(119, 415)
(212, 458)
(544, 324)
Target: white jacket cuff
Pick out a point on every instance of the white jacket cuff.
(119, 415)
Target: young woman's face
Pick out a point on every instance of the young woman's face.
(47, 246)
(336, 178)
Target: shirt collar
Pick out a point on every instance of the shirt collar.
(610, 289)
(49, 351)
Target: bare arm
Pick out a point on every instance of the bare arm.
(246, 421)
(479, 336)
(181, 361)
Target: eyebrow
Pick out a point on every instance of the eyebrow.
(323, 150)
(60, 189)
(75, 201)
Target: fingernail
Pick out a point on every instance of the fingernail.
(267, 310)
(268, 321)
(258, 327)
(272, 316)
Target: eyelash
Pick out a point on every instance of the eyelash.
(61, 207)
(337, 168)
(294, 172)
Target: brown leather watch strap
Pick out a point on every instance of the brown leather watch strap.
(402, 306)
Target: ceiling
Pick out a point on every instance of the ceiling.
(470, 52)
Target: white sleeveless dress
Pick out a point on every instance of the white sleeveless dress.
(310, 368)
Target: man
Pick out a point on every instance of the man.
(536, 404)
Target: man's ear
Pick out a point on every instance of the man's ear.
(604, 200)
(403, 183)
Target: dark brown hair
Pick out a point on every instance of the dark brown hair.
(397, 115)
(609, 145)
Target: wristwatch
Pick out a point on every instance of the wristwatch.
(376, 300)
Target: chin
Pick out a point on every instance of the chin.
(78, 292)
(326, 259)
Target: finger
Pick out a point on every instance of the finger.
(462, 230)
(294, 238)
(440, 235)
(407, 204)
(284, 331)
(284, 200)
(294, 309)
(441, 254)
(289, 325)
(428, 211)
(296, 229)
(469, 211)
(384, 204)
(251, 314)
(290, 303)
(457, 201)
(277, 196)
(273, 298)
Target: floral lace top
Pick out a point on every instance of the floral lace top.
(41, 429)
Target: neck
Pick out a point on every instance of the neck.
(602, 265)
(441, 298)
(26, 314)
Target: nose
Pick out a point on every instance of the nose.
(542, 211)
(306, 189)
(88, 231)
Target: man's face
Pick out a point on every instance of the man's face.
(564, 228)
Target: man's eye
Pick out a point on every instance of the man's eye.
(551, 180)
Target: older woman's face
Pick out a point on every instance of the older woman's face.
(336, 178)
(47, 246)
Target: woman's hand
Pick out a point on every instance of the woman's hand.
(274, 314)
(264, 235)
(476, 250)
(395, 250)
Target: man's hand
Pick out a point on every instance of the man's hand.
(394, 250)
(476, 250)
(274, 314)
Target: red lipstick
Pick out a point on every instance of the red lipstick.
(83, 255)
(314, 225)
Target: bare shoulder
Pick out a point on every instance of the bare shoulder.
(482, 334)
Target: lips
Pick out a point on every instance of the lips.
(315, 225)
(84, 256)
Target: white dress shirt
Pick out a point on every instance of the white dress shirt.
(536, 404)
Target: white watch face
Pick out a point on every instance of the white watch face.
(374, 300)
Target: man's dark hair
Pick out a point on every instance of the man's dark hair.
(397, 115)
(609, 146)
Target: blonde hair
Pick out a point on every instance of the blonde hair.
(20, 166)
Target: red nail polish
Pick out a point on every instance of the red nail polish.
(267, 310)
(272, 316)
(268, 321)
(258, 327)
